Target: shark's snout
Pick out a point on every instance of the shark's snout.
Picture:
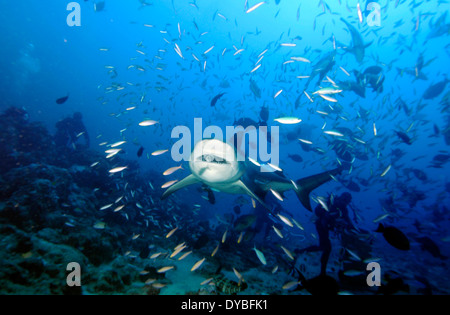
(214, 161)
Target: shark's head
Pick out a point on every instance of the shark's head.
(214, 162)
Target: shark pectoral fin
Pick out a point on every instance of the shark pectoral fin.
(191, 179)
(247, 191)
(308, 184)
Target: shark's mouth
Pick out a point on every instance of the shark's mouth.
(210, 158)
(214, 161)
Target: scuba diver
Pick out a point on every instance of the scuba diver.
(336, 219)
(69, 130)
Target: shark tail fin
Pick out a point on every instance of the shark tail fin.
(308, 184)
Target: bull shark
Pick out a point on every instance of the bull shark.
(322, 67)
(214, 163)
(359, 47)
(354, 86)
(439, 28)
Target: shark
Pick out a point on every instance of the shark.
(354, 86)
(215, 163)
(439, 28)
(323, 66)
(359, 47)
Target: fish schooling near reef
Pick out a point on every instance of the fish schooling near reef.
(215, 164)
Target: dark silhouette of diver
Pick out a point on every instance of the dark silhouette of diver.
(337, 219)
(69, 130)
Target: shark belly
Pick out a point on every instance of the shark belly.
(230, 188)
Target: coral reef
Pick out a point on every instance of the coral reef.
(49, 205)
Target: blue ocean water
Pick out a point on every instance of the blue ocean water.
(131, 61)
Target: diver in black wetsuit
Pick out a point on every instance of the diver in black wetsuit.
(69, 130)
(336, 219)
